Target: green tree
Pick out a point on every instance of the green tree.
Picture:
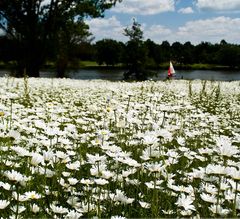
(229, 55)
(166, 51)
(108, 51)
(35, 24)
(85, 51)
(205, 52)
(177, 52)
(67, 41)
(135, 53)
(155, 55)
(188, 53)
(7, 48)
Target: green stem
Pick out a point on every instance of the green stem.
(129, 97)
(235, 201)
(162, 125)
(11, 110)
(16, 214)
(154, 204)
(99, 206)
(218, 198)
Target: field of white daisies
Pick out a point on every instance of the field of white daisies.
(84, 149)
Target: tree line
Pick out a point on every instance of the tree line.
(112, 53)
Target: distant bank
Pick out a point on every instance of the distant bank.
(92, 65)
(163, 66)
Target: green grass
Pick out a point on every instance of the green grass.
(196, 66)
(88, 64)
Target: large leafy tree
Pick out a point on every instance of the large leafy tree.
(67, 43)
(34, 24)
(136, 53)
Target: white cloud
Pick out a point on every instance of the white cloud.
(219, 5)
(187, 10)
(106, 28)
(112, 28)
(157, 33)
(211, 30)
(144, 7)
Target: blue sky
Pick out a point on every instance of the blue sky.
(173, 20)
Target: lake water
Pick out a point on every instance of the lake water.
(116, 75)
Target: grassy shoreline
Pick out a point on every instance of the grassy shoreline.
(163, 66)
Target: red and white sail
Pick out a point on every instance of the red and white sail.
(171, 70)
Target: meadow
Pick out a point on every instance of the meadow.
(100, 149)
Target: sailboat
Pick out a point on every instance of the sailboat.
(171, 71)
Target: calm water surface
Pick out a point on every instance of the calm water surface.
(116, 75)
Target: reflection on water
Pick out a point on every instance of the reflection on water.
(113, 75)
(211, 75)
(117, 75)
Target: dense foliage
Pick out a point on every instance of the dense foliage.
(72, 148)
(135, 53)
(109, 52)
(223, 54)
(37, 27)
(112, 52)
